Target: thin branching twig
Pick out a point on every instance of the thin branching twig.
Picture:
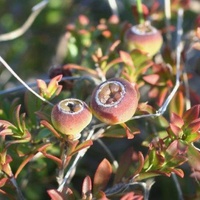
(20, 31)
(113, 7)
(168, 20)
(21, 81)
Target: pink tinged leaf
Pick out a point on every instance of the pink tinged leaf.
(114, 45)
(3, 181)
(132, 196)
(6, 166)
(51, 128)
(194, 126)
(193, 157)
(178, 172)
(177, 120)
(141, 163)
(177, 147)
(126, 58)
(53, 87)
(151, 79)
(41, 85)
(130, 133)
(87, 188)
(83, 20)
(52, 157)
(55, 195)
(83, 145)
(191, 114)
(173, 129)
(195, 175)
(102, 175)
(29, 157)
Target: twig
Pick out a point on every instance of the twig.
(77, 158)
(20, 31)
(140, 11)
(61, 171)
(163, 108)
(113, 7)
(32, 85)
(115, 163)
(21, 81)
(168, 19)
(19, 193)
(175, 179)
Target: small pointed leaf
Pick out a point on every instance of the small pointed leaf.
(102, 175)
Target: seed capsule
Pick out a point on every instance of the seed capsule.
(145, 38)
(114, 101)
(70, 116)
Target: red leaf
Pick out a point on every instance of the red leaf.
(141, 163)
(80, 147)
(86, 187)
(191, 114)
(152, 78)
(126, 58)
(102, 175)
(177, 120)
(55, 195)
(3, 181)
(194, 126)
(50, 127)
(130, 133)
(178, 172)
(175, 130)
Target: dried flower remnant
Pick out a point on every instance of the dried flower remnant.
(114, 101)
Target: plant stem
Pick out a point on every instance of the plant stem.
(140, 11)
(21, 81)
(63, 147)
(175, 179)
(168, 19)
(19, 193)
(20, 31)
(113, 7)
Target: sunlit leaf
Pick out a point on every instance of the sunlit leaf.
(191, 114)
(176, 120)
(193, 157)
(102, 175)
(82, 146)
(177, 104)
(55, 195)
(86, 188)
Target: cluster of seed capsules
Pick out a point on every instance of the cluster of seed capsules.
(114, 101)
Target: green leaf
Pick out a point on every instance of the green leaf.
(193, 157)
(43, 133)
